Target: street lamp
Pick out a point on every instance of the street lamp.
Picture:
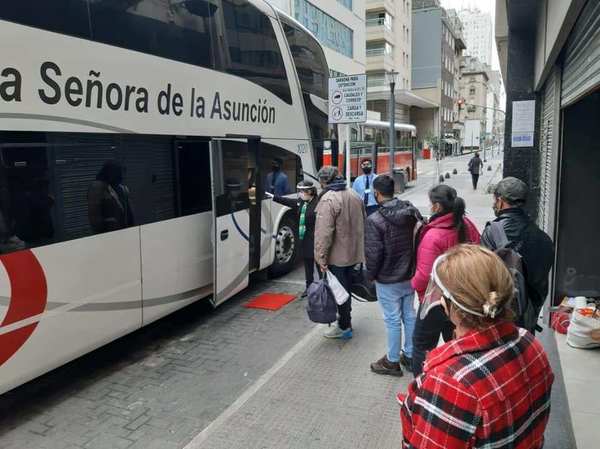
(391, 78)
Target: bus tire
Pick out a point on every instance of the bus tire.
(286, 247)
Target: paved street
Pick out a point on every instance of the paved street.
(229, 378)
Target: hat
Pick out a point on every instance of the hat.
(327, 174)
(305, 185)
(512, 190)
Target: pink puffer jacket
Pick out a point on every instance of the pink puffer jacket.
(436, 238)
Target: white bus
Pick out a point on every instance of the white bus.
(136, 141)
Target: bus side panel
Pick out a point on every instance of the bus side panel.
(268, 227)
(177, 263)
(93, 297)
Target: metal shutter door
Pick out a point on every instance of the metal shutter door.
(581, 69)
(546, 141)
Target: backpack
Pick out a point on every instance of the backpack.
(321, 306)
(525, 312)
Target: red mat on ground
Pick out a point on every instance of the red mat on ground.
(270, 301)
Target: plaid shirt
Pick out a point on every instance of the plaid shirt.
(489, 389)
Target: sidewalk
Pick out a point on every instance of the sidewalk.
(322, 394)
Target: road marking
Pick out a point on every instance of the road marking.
(251, 391)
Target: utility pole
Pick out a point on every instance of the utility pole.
(392, 76)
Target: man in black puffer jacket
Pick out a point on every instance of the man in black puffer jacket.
(534, 245)
(389, 252)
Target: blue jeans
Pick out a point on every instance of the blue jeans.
(396, 301)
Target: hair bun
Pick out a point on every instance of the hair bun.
(490, 307)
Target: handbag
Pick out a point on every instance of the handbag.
(362, 289)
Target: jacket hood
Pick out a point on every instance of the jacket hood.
(396, 210)
(337, 185)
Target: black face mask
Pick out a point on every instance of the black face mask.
(367, 170)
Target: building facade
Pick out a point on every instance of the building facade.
(339, 25)
(436, 48)
(478, 34)
(554, 63)
(474, 95)
(389, 49)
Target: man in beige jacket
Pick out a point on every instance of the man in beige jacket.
(339, 239)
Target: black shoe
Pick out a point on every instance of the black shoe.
(304, 294)
(384, 366)
(406, 362)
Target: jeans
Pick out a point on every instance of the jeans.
(475, 179)
(344, 311)
(427, 335)
(309, 270)
(396, 301)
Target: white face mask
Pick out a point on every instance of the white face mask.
(304, 196)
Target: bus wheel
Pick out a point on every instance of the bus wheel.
(286, 247)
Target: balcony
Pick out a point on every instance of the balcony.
(379, 29)
(378, 59)
(379, 5)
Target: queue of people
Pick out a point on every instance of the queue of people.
(480, 387)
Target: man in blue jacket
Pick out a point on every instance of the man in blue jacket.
(363, 186)
(277, 180)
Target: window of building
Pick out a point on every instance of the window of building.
(379, 48)
(472, 90)
(375, 79)
(328, 30)
(380, 19)
(346, 3)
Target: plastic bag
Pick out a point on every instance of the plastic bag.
(579, 333)
(339, 292)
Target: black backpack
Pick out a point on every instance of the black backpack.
(525, 312)
(321, 306)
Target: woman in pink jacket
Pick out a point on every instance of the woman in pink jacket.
(447, 227)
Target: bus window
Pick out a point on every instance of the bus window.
(245, 45)
(61, 16)
(231, 36)
(194, 179)
(313, 74)
(289, 169)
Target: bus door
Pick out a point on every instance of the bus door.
(236, 215)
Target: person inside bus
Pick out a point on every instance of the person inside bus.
(305, 206)
(109, 208)
(490, 386)
(363, 185)
(277, 180)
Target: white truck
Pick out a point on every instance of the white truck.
(472, 135)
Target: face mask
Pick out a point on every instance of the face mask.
(367, 170)
(304, 196)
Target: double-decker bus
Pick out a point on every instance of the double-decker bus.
(138, 140)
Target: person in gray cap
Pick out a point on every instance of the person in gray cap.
(524, 236)
(339, 239)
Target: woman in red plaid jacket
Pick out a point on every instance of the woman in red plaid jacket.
(490, 386)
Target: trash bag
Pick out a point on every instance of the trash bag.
(585, 324)
(320, 305)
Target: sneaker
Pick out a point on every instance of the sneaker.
(406, 362)
(384, 366)
(336, 332)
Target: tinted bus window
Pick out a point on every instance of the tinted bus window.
(61, 16)
(62, 186)
(247, 46)
(231, 36)
(313, 73)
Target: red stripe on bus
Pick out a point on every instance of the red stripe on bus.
(28, 297)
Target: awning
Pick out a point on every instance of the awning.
(403, 96)
(451, 141)
(378, 124)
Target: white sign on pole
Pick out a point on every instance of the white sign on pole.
(523, 123)
(348, 99)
